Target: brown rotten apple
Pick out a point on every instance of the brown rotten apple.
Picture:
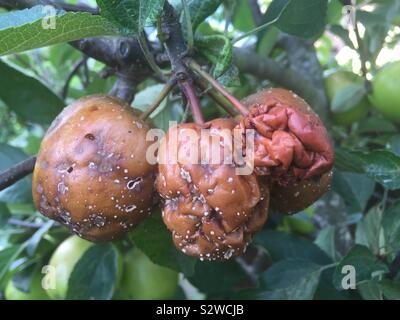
(291, 146)
(300, 194)
(211, 210)
(291, 143)
(91, 173)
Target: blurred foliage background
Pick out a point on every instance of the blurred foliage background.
(352, 70)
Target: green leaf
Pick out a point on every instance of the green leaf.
(376, 125)
(293, 279)
(201, 9)
(302, 18)
(346, 161)
(348, 97)
(131, 16)
(369, 230)
(382, 166)
(369, 290)
(172, 112)
(27, 96)
(94, 276)
(364, 263)
(326, 241)
(242, 17)
(281, 245)
(145, 98)
(217, 278)
(22, 279)
(391, 227)
(31, 28)
(7, 256)
(34, 241)
(4, 214)
(230, 78)
(390, 289)
(395, 144)
(155, 240)
(354, 188)
(20, 192)
(217, 49)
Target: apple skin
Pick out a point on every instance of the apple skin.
(385, 96)
(144, 280)
(64, 259)
(36, 291)
(333, 84)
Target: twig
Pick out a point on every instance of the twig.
(24, 224)
(17, 172)
(175, 46)
(236, 103)
(361, 50)
(74, 71)
(163, 94)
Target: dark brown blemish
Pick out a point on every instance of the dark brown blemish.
(90, 136)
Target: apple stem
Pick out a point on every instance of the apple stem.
(220, 88)
(163, 94)
(190, 94)
(214, 96)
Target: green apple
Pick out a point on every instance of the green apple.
(36, 291)
(336, 82)
(144, 280)
(63, 260)
(385, 94)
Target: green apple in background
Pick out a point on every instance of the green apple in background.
(64, 259)
(385, 95)
(334, 83)
(144, 280)
(36, 291)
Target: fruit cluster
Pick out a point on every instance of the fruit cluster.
(92, 174)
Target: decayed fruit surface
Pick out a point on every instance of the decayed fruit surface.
(291, 147)
(211, 210)
(144, 280)
(91, 173)
(36, 291)
(338, 81)
(291, 142)
(386, 91)
(299, 195)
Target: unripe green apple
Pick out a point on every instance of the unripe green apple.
(386, 91)
(336, 82)
(64, 260)
(36, 291)
(144, 280)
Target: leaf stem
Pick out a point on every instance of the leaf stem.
(191, 95)
(148, 55)
(189, 28)
(217, 98)
(163, 94)
(258, 29)
(219, 87)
